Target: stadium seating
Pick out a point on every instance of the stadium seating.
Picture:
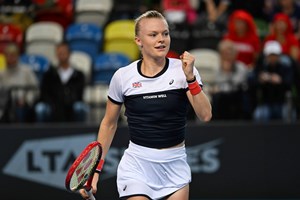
(96, 96)
(21, 20)
(16, 12)
(105, 66)
(10, 33)
(93, 11)
(42, 38)
(84, 37)
(82, 62)
(119, 38)
(2, 62)
(207, 62)
(38, 63)
(175, 10)
(60, 11)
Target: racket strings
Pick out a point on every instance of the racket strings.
(84, 169)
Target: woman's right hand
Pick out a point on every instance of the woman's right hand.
(83, 192)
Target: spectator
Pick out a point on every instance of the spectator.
(62, 90)
(210, 24)
(231, 79)
(19, 80)
(291, 9)
(214, 10)
(178, 11)
(282, 31)
(242, 31)
(269, 9)
(273, 78)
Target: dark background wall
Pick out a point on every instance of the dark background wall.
(228, 160)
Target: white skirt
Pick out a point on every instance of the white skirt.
(152, 172)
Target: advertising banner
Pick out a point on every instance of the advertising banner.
(228, 161)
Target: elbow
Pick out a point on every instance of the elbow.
(207, 117)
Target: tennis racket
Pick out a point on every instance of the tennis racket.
(81, 172)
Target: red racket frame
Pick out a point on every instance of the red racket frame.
(78, 160)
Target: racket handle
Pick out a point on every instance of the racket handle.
(90, 193)
(88, 188)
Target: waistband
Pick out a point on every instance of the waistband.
(156, 155)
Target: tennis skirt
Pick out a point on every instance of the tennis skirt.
(153, 173)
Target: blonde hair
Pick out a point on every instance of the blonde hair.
(148, 15)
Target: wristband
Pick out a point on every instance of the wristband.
(191, 81)
(100, 166)
(194, 88)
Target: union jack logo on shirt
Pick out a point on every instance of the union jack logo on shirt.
(137, 84)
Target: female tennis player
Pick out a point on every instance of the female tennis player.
(156, 92)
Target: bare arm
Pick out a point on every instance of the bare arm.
(108, 126)
(214, 12)
(211, 10)
(201, 105)
(222, 8)
(199, 102)
(106, 134)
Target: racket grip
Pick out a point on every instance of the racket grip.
(90, 193)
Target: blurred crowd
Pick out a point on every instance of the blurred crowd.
(248, 53)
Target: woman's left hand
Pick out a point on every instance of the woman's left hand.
(188, 61)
